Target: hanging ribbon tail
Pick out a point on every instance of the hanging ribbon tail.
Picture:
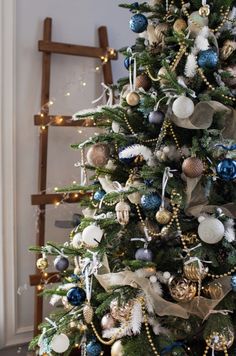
(109, 92)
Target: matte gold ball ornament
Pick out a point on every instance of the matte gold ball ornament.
(181, 289)
(132, 98)
(42, 263)
(163, 216)
(192, 167)
(98, 155)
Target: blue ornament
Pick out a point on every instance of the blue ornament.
(99, 194)
(61, 263)
(138, 23)
(128, 61)
(148, 182)
(208, 59)
(151, 201)
(76, 296)
(226, 169)
(144, 254)
(233, 282)
(93, 348)
(156, 117)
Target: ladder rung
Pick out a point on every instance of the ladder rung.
(36, 279)
(61, 120)
(57, 198)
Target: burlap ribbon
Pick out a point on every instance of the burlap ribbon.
(199, 306)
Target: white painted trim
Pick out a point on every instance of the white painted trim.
(10, 334)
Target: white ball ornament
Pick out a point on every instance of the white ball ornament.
(183, 107)
(211, 230)
(60, 343)
(92, 235)
(117, 349)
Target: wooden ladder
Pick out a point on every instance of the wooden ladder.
(45, 120)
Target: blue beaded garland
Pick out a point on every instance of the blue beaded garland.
(76, 296)
(151, 201)
(226, 169)
(208, 59)
(93, 348)
(138, 23)
(98, 195)
(233, 282)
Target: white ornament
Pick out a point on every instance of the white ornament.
(211, 230)
(117, 349)
(77, 239)
(122, 212)
(60, 343)
(115, 126)
(92, 235)
(183, 107)
(153, 279)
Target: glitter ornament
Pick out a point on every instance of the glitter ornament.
(128, 61)
(98, 195)
(156, 117)
(88, 313)
(117, 349)
(233, 282)
(196, 22)
(92, 235)
(213, 290)
(122, 212)
(222, 339)
(138, 23)
(132, 98)
(93, 348)
(42, 264)
(98, 155)
(211, 230)
(183, 107)
(179, 25)
(226, 169)
(107, 322)
(143, 81)
(192, 167)
(144, 254)
(76, 296)
(60, 343)
(61, 263)
(208, 59)
(163, 216)
(150, 201)
(181, 289)
(195, 271)
(228, 48)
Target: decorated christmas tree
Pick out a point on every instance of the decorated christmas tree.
(151, 267)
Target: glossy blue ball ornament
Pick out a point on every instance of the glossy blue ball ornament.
(144, 254)
(128, 61)
(233, 282)
(76, 296)
(226, 169)
(156, 117)
(93, 348)
(138, 23)
(151, 201)
(98, 195)
(208, 59)
(61, 263)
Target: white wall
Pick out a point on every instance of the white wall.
(74, 21)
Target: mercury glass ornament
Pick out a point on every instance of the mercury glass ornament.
(144, 254)
(132, 98)
(98, 155)
(183, 107)
(192, 167)
(211, 230)
(138, 23)
(61, 263)
(76, 296)
(226, 169)
(208, 59)
(156, 117)
(181, 289)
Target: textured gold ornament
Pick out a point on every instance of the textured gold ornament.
(179, 25)
(88, 313)
(163, 216)
(228, 48)
(181, 289)
(160, 32)
(190, 238)
(143, 81)
(121, 312)
(213, 290)
(133, 98)
(222, 340)
(204, 11)
(195, 271)
(192, 167)
(42, 264)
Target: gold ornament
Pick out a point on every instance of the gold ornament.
(213, 290)
(195, 271)
(134, 182)
(162, 72)
(42, 264)
(179, 25)
(107, 322)
(143, 81)
(204, 11)
(192, 167)
(121, 312)
(228, 48)
(190, 238)
(122, 212)
(160, 32)
(163, 216)
(181, 289)
(98, 155)
(221, 339)
(88, 313)
(133, 98)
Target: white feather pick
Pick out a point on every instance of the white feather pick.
(55, 299)
(136, 318)
(90, 111)
(138, 150)
(201, 42)
(190, 66)
(229, 230)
